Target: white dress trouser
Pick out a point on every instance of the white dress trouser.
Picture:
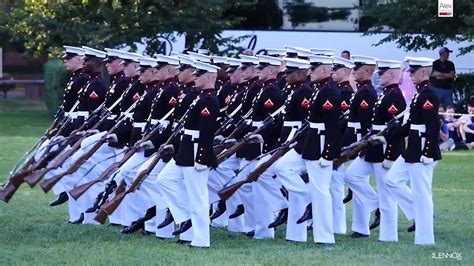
(338, 206)
(420, 202)
(185, 192)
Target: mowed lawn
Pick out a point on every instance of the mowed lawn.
(33, 233)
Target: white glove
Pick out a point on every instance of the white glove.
(324, 163)
(375, 140)
(57, 138)
(218, 139)
(200, 167)
(92, 131)
(166, 149)
(426, 160)
(254, 138)
(147, 145)
(387, 164)
(112, 138)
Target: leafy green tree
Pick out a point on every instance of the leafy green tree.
(414, 24)
(44, 27)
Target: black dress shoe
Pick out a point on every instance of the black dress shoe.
(183, 242)
(239, 211)
(359, 235)
(63, 197)
(190, 246)
(412, 228)
(183, 227)
(221, 208)
(326, 245)
(134, 227)
(250, 234)
(147, 233)
(348, 196)
(114, 225)
(149, 214)
(80, 220)
(376, 222)
(168, 220)
(307, 215)
(280, 219)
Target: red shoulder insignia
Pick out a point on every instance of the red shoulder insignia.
(172, 101)
(136, 97)
(427, 105)
(392, 109)
(268, 104)
(205, 112)
(327, 105)
(93, 96)
(305, 103)
(364, 105)
(344, 105)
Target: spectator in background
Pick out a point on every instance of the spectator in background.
(346, 55)
(406, 85)
(467, 128)
(443, 76)
(445, 143)
(453, 124)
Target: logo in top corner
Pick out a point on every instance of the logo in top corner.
(445, 8)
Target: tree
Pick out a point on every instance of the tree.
(414, 24)
(43, 27)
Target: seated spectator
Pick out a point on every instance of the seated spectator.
(467, 128)
(453, 124)
(445, 143)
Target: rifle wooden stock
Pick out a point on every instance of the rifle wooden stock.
(78, 191)
(12, 186)
(109, 207)
(227, 192)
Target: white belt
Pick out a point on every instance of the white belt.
(140, 125)
(257, 123)
(72, 115)
(83, 113)
(248, 121)
(164, 123)
(420, 128)
(111, 117)
(127, 114)
(379, 127)
(355, 125)
(192, 133)
(292, 123)
(319, 126)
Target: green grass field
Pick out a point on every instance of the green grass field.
(33, 233)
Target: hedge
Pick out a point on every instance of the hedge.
(55, 81)
(463, 91)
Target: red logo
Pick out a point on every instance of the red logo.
(136, 97)
(93, 96)
(392, 109)
(205, 112)
(327, 105)
(172, 101)
(268, 104)
(305, 103)
(344, 105)
(364, 105)
(427, 105)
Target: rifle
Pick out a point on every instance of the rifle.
(48, 184)
(78, 191)
(228, 121)
(42, 167)
(355, 148)
(266, 122)
(109, 207)
(227, 192)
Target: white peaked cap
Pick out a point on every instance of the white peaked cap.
(275, 61)
(342, 61)
(200, 57)
(148, 61)
(94, 52)
(320, 59)
(114, 52)
(206, 67)
(303, 52)
(131, 56)
(73, 50)
(419, 61)
(296, 63)
(219, 59)
(170, 60)
(275, 52)
(249, 59)
(363, 60)
(388, 64)
(234, 62)
(186, 60)
(323, 51)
